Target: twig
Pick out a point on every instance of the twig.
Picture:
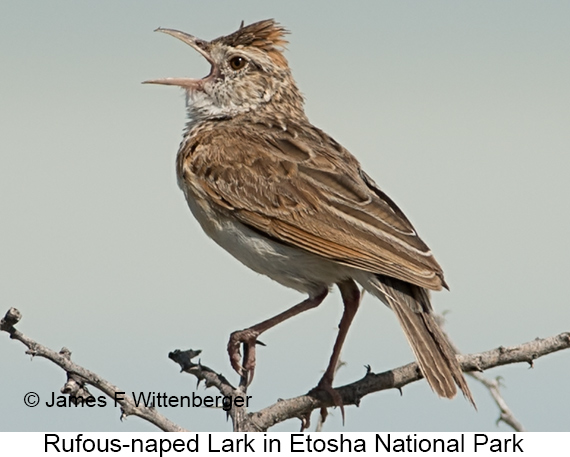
(238, 414)
(77, 377)
(494, 385)
(299, 407)
(399, 377)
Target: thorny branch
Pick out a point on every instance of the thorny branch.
(299, 407)
(77, 376)
(399, 377)
(492, 385)
(238, 414)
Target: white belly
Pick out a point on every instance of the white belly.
(292, 267)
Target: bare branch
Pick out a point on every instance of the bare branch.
(299, 407)
(78, 376)
(399, 377)
(493, 385)
(238, 414)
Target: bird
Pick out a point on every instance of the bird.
(289, 202)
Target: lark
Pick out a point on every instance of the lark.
(289, 202)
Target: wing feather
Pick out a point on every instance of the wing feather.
(313, 195)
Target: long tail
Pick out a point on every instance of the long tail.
(436, 358)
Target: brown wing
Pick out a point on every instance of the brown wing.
(309, 192)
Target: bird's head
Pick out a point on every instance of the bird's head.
(248, 71)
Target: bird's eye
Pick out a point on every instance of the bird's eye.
(237, 62)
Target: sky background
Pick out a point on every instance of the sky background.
(460, 111)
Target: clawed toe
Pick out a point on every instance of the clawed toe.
(235, 354)
(326, 386)
(249, 341)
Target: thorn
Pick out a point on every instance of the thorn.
(261, 343)
(401, 391)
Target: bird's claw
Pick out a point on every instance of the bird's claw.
(326, 386)
(249, 341)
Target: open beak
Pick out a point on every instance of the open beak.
(199, 45)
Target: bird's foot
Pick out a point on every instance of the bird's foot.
(248, 338)
(326, 386)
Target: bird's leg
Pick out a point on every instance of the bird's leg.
(249, 336)
(351, 299)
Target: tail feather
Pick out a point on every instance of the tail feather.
(436, 357)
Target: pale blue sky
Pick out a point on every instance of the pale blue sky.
(459, 110)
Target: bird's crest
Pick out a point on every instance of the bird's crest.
(267, 36)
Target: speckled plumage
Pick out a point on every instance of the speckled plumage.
(289, 202)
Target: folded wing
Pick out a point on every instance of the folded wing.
(312, 194)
